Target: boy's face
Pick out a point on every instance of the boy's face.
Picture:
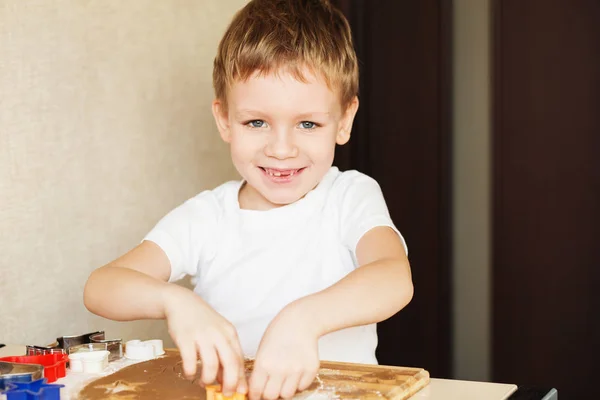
(282, 134)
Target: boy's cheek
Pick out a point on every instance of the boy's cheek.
(244, 148)
(323, 147)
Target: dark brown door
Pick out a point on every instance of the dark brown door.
(400, 138)
(546, 325)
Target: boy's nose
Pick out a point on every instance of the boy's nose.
(281, 146)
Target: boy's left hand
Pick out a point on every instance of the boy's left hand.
(287, 360)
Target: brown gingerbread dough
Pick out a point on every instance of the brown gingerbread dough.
(159, 379)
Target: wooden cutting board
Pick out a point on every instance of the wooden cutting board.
(359, 381)
(162, 378)
(337, 380)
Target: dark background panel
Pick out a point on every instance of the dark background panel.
(401, 138)
(546, 181)
(546, 271)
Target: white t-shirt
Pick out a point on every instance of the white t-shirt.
(250, 264)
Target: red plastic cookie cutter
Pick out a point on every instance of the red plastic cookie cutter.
(55, 365)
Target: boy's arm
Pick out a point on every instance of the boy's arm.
(287, 359)
(131, 287)
(379, 288)
(135, 286)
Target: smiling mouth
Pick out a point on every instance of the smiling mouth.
(281, 173)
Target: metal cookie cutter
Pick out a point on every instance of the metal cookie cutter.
(36, 390)
(43, 350)
(67, 341)
(15, 372)
(114, 346)
(88, 347)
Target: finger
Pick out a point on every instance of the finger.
(306, 380)
(230, 363)
(210, 363)
(237, 347)
(257, 383)
(273, 387)
(188, 358)
(243, 379)
(290, 386)
(242, 387)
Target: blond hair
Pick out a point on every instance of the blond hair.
(267, 36)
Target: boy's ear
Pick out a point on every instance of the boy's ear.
(346, 123)
(221, 119)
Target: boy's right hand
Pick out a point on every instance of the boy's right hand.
(198, 329)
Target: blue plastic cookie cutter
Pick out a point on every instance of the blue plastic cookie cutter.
(36, 390)
(15, 372)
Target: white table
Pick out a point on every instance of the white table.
(438, 389)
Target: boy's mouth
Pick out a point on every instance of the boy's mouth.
(281, 172)
(281, 175)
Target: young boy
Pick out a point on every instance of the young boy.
(296, 262)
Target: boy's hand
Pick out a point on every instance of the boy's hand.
(197, 329)
(287, 360)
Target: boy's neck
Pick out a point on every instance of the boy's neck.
(250, 199)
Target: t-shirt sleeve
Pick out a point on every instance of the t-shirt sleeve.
(184, 234)
(362, 208)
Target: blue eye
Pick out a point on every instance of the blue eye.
(257, 123)
(308, 125)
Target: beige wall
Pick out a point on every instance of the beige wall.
(105, 125)
(471, 202)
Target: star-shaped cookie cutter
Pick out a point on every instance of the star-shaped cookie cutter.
(36, 390)
(15, 372)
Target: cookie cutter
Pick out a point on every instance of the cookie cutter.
(86, 348)
(65, 342)
(35, 390)
(54, 365)
(89, 362)
(146, 350)
(15, 372)
(114, 346)
(213, 392)
(53, 348)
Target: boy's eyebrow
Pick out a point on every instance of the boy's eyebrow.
(309, 115)
(260, 114)
(249, 113)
